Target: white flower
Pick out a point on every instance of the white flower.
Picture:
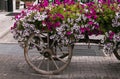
(37, 31)
(106, 33)
(82, 26)
(116, 37)
(68, 20)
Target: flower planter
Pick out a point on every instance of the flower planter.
(50, 29)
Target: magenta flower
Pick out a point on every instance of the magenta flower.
(60, 15)
(66, 1)
(69, 2)
(57, 24)
(118, 1)
(14, 26)
(57, 2)
(17, 17)
(83, 6)
(109, 2)
(87, 29)
(101, 1)
(68, 33)
(82, 30)
(96, 26)
(90, 4)
(49, 25)
(45, 3)
(88, 16)
(95, 17)
(111, 34)
(90, 23)
(92, 11)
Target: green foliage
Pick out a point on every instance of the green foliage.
(105, 16)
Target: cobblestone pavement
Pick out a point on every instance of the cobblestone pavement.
(85, 64)
(5, 23)
(8, 38)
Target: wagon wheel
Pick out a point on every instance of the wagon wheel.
(108, 49)
(44, 57)
(117, 51)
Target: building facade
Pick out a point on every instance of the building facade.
(17, 5)
(9, 5)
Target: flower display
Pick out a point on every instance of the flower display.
(68, 21)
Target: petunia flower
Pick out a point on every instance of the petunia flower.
(57, 2)
(68, 33)
(45, 3)
(90, 23)
(111, 35)
(82, 30)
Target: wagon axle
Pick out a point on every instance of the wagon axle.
(47, 53)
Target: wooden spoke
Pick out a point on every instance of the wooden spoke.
(61, 59)
(42, 40)
(53, 43)
(48, 65)
(54, 63)
(35, 44)
(41, 62)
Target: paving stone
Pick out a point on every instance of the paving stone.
(82, 66)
